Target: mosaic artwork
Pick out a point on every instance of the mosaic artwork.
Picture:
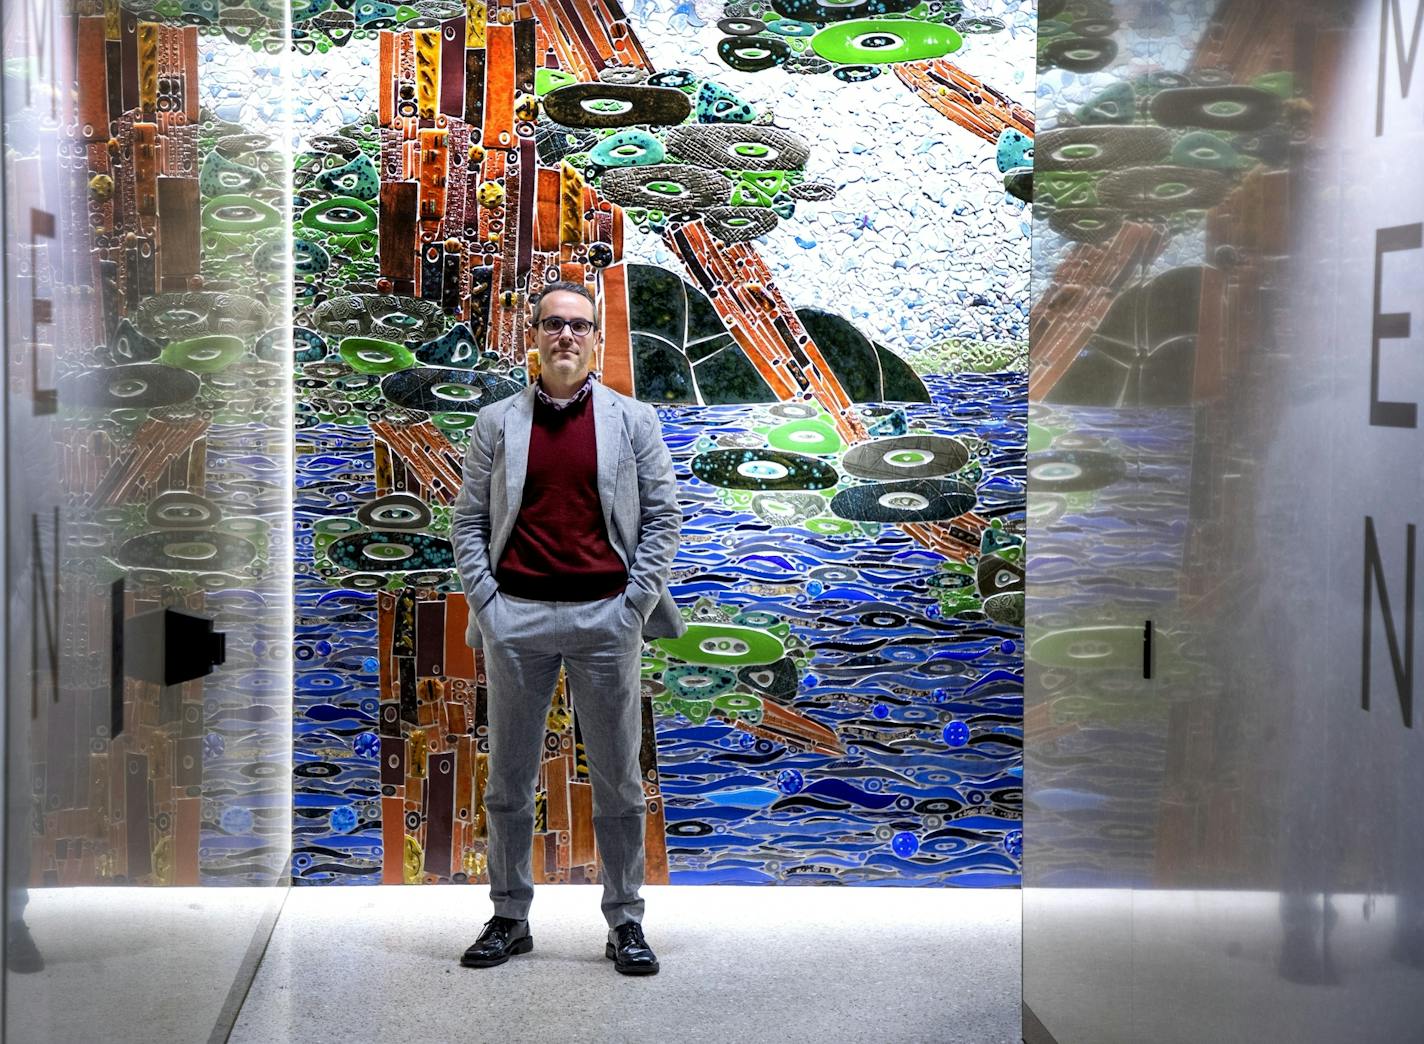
(809, 237)
(157, 435)
(837, 363)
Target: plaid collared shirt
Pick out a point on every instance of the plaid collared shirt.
(584, 391)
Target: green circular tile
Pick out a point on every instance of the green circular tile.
(373, 355)
(806, 436)
(344, 214)
(233, 213)
(724, 645)
(207, 354)
(880, 41)
(453, 423)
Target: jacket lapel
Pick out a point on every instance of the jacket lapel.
(605, 433)
(517, 423)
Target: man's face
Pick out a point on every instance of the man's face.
(565, 358)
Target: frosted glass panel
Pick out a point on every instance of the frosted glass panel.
(147, 451)
(1221, 759)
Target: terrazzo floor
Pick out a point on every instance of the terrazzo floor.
(823, 965)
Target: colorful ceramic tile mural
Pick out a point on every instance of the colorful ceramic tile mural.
(145, 220)
(817, 271)
(847, 704)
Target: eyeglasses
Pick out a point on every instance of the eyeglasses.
(553, 326)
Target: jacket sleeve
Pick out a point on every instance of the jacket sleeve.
(470, 519)
(660, 516)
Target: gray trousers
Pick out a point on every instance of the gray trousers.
(600, 646)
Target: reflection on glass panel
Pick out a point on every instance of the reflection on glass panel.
(1219, 782)
(147, 445)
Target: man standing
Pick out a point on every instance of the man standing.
(564, 531)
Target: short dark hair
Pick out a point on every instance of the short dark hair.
(562, 286)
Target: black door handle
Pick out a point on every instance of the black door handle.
(1147, 649)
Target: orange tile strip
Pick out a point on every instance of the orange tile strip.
(967, 101)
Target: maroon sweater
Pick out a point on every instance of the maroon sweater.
(559, 549)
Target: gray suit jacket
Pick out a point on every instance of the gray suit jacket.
(635, 484)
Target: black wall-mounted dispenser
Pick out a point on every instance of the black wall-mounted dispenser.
(169, 646)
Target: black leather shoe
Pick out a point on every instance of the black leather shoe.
(629, 951)
(501, 939)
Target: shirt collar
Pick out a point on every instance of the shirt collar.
(584, 390)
